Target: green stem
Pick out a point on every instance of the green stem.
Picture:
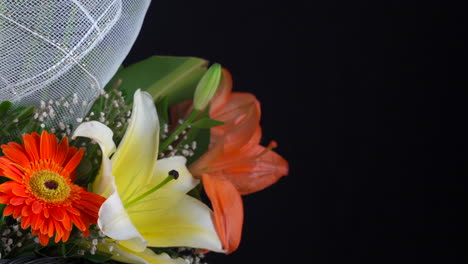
(155, 188)
(179, 130)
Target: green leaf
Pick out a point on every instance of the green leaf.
(99, 257)
(174, 77)
(2, 217)
(4, 107)
(25, 112)
(196, 192)
(163, 111)
(207, 123)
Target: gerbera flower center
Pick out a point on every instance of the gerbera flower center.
(49, 186)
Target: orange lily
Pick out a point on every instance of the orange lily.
(235, 164)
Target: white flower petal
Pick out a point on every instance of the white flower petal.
(98, 132)
(115, 223)
(168, 218)
(184, 183)
(103, 136)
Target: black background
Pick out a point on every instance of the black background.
(366, 101)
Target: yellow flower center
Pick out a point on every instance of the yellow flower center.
(49, 186)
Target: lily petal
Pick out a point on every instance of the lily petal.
(241, 115)
(115, 223)
(184, 183)
(113, 219)
(98, 132)
(134, 161)
(125, 255)
(222, 94)
(228, 210)
(169, 218)
(103, 136)
(259, 173)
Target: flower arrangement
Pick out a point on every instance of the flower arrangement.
(153, 172)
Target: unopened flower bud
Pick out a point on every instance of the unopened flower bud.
(207, 87)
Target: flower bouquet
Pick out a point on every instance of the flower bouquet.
(102, 163)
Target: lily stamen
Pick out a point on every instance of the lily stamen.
(172, 175)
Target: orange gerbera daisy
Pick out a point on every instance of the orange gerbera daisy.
(42, 192)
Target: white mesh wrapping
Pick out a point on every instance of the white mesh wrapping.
(52, 49)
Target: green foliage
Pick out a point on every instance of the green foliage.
(162, 76)
(99, 257)
(207, 123)
(15, 121)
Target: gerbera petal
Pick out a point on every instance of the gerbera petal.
(19, 190)
(134, 161)
(71, 152)
(115, 223)
(17, 200)
(31, 147)
(17, 211)
(50, 227)
(66, 236)
(14, 155)
(48, 145)
(78, 222)
(26, 210)
(4, 199)
(62, 151)
(25, 222)
(43, 239)
(9, 186)
(36, 207)
(184, 183)
(72, 210)
(12, 172)
(73, 162)
(67, 224)
(57, 213)
(168, 218)
(228, 210)
(45, 212)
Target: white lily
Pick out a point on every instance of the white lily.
(144, 207)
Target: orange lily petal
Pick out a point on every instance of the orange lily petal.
(202, 165)
(258, 173)
(228, 210)
(222, 94)
(242, 116)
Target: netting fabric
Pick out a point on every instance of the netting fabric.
(64, 50)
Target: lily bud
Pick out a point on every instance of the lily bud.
(207, 87)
